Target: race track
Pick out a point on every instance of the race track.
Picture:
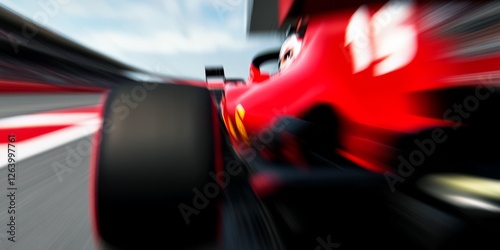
(52, 197)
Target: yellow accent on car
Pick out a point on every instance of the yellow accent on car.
(231, 128)
(239, 116)
(240, 111)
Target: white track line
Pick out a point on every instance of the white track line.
(38, 120)
(34, 146)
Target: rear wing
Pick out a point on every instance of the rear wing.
(216, 80)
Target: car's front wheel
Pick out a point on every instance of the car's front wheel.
(154, 156)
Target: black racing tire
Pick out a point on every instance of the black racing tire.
(156, 148)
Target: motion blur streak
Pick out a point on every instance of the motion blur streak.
(52, 211)
(477, 27)
(469, 202)
(50, 88)
(38, 120)
(458, 42)
(81, 125)
(464, 191)
(49, 96)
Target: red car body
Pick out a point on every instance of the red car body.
(378, 99)
(359, 88)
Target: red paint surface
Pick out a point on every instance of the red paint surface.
(30, 87)
(374, 110)
(93, 175)
(265, 184)
(23, 134)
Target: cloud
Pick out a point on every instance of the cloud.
(172, 7)
(142, 32)
(196, 40)
(165, 27)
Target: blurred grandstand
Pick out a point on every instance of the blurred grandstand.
(33, 54)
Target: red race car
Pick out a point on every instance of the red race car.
(378, 128)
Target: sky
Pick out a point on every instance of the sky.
(171, 37)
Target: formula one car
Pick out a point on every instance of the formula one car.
(380, 129)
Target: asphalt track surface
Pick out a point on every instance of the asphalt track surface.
(19, 104)
(52, 210)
